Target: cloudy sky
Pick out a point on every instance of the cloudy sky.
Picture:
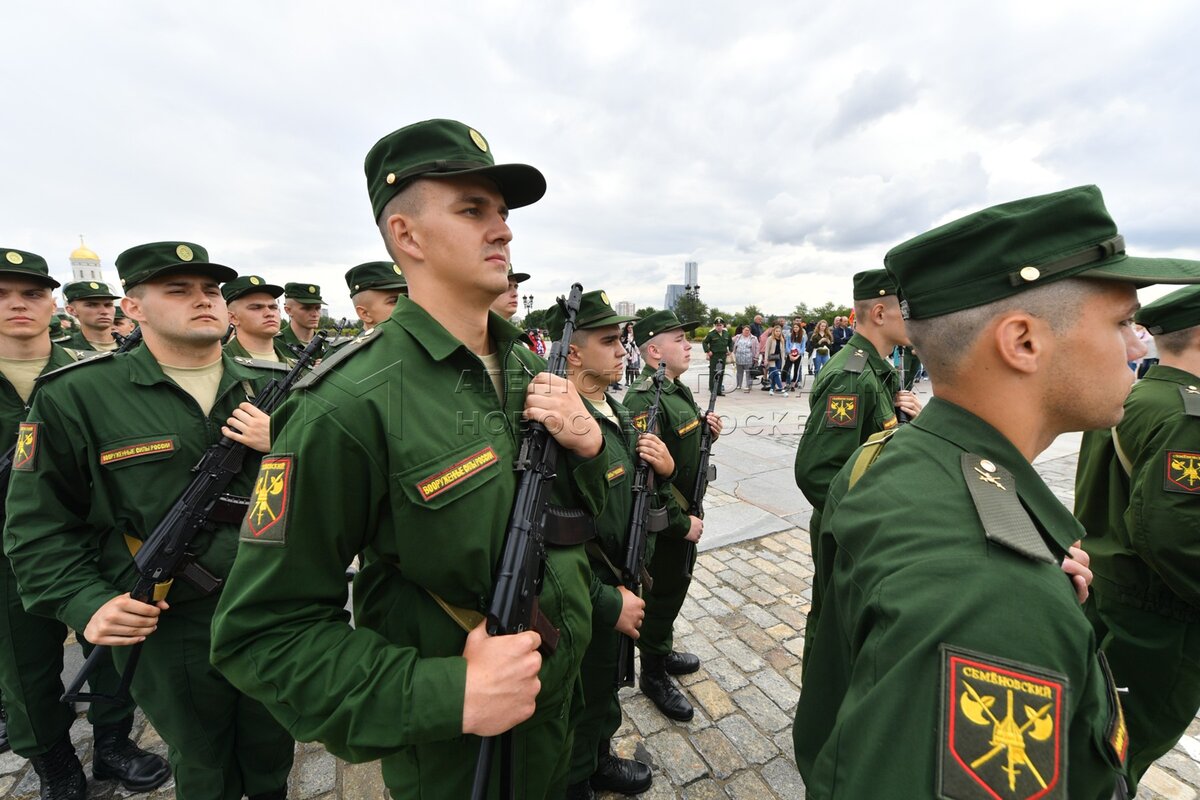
(782, 145)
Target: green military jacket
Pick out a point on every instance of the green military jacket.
(237, 350)
(679, 422)
(852, 399)
(115, 423)
(79, 342)
(718, 343)
(950, 651)
(1141, 522)
(13, 410)
(397, 445)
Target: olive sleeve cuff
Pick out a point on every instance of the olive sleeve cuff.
(606, 608)
(446, 680)
(588, 477)
(77, 612)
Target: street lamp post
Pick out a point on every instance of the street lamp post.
(527, 299)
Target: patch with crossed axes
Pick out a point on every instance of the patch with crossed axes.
(1183, 472)
(1002, 729)
(841, 411)
(266, 521)
(25, 454)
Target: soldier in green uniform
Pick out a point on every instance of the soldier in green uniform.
(374, 287)
(111, 444)
(663, 338)
(31, 647)
(121, 323)
(951, 657)
(1137, 492)
(506, 305)
(302, 302)
(418, 419)
(856, 394)
(596, 356)
(91, 302)
(717, 345)
(254, 314)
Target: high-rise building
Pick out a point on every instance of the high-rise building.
(674, 292)
(626, 308)
(691, 273)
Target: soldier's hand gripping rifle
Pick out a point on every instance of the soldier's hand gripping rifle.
(705, 472)
(124, 345)
(165, 554)
(635, 544)
(514, 604)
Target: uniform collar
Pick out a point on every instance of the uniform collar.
(877, 362)
(439, 342)
(668, 387)
(1160, 372)
(968, 432)
(146, 371)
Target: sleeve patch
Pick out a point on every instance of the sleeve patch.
(1182, 472)
(1002, 729)
(841, 411)
(266, 521)
(25, 450)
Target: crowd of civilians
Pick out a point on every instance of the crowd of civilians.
(777, 354)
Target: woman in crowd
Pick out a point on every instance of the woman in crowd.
(819, 343)
(793, 364)
(745, 355)
(773, 356)
(633, 358)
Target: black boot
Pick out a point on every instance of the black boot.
(278, 794)
(3, 731)
(656, 684)
(681, 663)
(117, 758)
(620, 775)
(61, 773)
(580, 791)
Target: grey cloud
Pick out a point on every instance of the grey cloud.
(871, 96)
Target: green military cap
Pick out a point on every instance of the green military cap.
(58, 334)
(595, 311)
(1003, 250)
(22, 264)
(303, 292)
(118, 314)
(873, 283)
(375, 275)
(440, 148)
(648, 327)
(519, 277)
(718, 321)
(140, 264)
(87, 290)
(1178, 310)
(249, 284)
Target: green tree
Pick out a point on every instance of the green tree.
(642, 313)
(535, 319)
(746, 316)
(691, 308)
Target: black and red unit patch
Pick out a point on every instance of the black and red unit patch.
(266, 521)
(641, 421)
(1182, 472)
(25, 452)
(1002, 735)
(841, 411)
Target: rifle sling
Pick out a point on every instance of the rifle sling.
(567, 527)
(160, 589)
(682, 499)
(469, 619)
(596, 552)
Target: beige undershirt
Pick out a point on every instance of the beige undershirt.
(267, 356)
(492, 365)
(104, 347)
(22, 372)
(200, 382)
(604, 408)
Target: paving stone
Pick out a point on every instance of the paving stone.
(677, 757)
(747, 786)
(733, 621)
(704, 790)
(734, 579)
(712, 629)
(10, 762)
(644, 714)
(1156, 779)
(716, 701)
(714, 607)
(740, 654)
(318, 774)
(795, 646)
(755, 638)
(697, 645)
(754, 747)
(781, 632)
(722, 757)
(779, 689)
(757, 595)
(730, 596)
(724, 673)
(362, 782)
(760, 709)
(779, 659)
(758, 615)
(784, 780)
(6, 783)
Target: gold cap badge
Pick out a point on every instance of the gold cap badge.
(184, 252)
(14, 258)
(478, 139)
(312, 289)
(254, 280)
(396, 269)
(94, 285)
(604, 297)
(391, 178)
(1030, 274)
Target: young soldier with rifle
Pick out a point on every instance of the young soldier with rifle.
(595, 358)
(96, 480)
(663, 339)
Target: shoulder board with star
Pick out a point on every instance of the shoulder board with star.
(856, 362)
(82, 359)
(644, 385)
(258, 363)
(1005, 520)
(1191, 400)
(340, 355)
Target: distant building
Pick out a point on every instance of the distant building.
(674, 292)
(626, 308)
(85, 264)
(691, 273)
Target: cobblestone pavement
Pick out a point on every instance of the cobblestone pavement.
(744, 617)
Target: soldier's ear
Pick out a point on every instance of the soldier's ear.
(402, 237)
(133, 308)
(1021, 341)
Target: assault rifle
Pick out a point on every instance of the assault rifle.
(705, 472)
(514, 604)
(164, 555)
(901, 417)
(635, 544)
(124, 345)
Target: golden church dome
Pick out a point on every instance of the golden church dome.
(83, 253)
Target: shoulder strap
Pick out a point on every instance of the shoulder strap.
(856, 362)
(83, 359)
(871, 450)
(341, 354)
(1191, 400)
(1005, 520)
(259, 363)
(1122, 456)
